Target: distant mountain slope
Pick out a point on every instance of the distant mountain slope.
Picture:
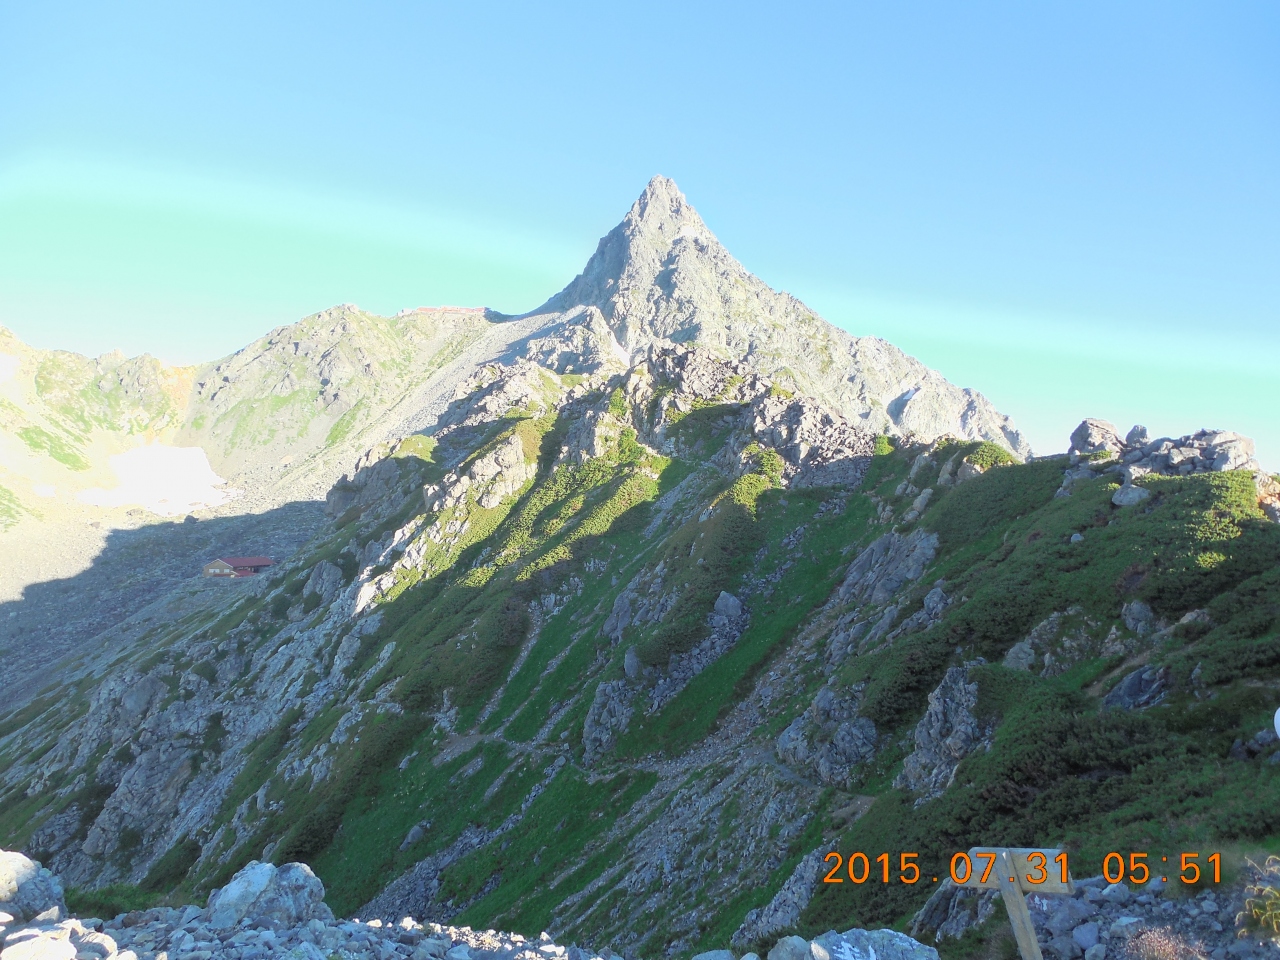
(651, 643)
(283, 418)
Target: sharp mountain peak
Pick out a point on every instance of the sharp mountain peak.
(662, 277)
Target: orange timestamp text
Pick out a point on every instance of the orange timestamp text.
(962, 867)
(1115, 867)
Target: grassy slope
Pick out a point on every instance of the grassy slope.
(1059, 771)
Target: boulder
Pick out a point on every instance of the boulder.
(727, 605)
(27, 889)
(1126, 927)
(887, 564)
(290, 894)
(1094, 437)
(715, 955)
(859, 944)
(1138, 617)
(631, 663)
(1129, 496)
(1117, 893)
(39, 948)
(790, 948)
(1068, 915)
(1085, 935)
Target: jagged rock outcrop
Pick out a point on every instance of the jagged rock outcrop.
(932, 608)
(609, 715)
(887, 564)
(488, 480)
(818, 445)
(325, 581)
(876, 577)
(497, 390)
(1056, 644)
(1097, 449)
(726, 622)
(818, 448)
(661, 277)
(829, 737)
(1144, 687)
(783, 911)
(951, 911)
(946, 734)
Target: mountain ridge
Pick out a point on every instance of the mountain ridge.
(661, 275)
(637, 634)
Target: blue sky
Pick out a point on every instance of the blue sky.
(1074, 208)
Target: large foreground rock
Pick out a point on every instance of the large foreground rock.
(289, 894)
(28, 890)
(871, 945)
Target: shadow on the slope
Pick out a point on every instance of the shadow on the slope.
(59, 619)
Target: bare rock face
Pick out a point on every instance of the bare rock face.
(326, 580)
(818, 447)
(495, 390)
(889, 562)
(661, 277)
(946, 734)
(488, 479)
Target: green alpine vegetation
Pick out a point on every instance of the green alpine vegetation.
(650, 607)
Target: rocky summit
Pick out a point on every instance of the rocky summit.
(618, 624)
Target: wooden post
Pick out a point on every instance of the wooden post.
(1016, 904)
(997, 868)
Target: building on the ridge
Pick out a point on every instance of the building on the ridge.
(237, 566)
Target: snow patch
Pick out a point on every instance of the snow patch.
(8, 366)
(165, 480)
(45, 490)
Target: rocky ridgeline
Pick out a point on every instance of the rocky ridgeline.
(1096, 448)
(267, 911)
(661, 277)
(1111, 921)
